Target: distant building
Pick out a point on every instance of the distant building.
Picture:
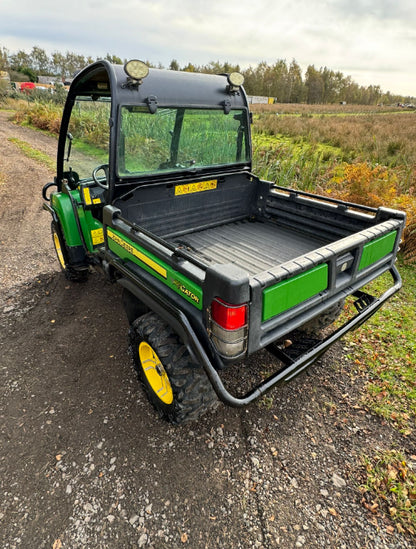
(260, 100)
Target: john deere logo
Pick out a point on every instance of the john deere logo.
(183, 289)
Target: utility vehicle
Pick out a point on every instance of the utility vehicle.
(154, 183)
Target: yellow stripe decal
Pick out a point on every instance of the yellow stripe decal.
(134, 251)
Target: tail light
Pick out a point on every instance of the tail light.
(228, 327)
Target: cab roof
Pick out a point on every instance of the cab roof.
(161, 87)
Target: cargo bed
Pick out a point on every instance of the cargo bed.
(254, 245)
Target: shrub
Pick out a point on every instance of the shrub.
(364, 184)
(45, 116)
(376, 186)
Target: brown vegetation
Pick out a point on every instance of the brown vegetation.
(330, 108)
(376, 186)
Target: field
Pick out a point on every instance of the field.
(365, 155)
(357, 153)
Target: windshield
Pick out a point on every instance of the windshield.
(173, 139)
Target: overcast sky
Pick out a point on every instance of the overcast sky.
(373, 41)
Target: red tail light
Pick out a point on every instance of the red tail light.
(229, 317)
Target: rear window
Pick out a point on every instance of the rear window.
(174, 139)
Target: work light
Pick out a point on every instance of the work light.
(236, 79)
(136, 69)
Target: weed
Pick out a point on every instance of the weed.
(292, 162)
(266, 402)
(44, 116)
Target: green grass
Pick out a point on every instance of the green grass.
(91, 151)
(34, 154)
(383, 356)
(293, 162)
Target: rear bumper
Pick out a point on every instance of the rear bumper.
(367, 306)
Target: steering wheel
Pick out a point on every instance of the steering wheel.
(103, 167)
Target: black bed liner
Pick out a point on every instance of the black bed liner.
(254, 245)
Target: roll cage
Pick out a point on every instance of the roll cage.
(161, 89)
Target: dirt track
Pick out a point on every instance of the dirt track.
(85, 462)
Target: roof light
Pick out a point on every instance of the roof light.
(236, 79)
(136, 69)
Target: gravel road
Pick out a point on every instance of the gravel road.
(86, 463)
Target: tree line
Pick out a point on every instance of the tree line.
(283, 81)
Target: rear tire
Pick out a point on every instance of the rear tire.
(78, 273)
(175, 384)
(316, 325)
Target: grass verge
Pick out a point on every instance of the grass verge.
(34, 154)
(384, 353)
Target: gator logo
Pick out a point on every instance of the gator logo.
(189, 293)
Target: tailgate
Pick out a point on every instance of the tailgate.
(291, 294)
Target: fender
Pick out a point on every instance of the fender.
(62, 206)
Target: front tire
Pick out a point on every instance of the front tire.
(78, 273)
(177, 387)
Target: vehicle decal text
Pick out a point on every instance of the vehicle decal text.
(195, 187)
(175, 280)
(189, 293)
(137, 253)
(97, 236)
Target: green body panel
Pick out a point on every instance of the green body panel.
(377, 249)
(289, 293)
(91, 227)
(128, 250)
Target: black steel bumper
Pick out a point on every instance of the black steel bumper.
(366, 306)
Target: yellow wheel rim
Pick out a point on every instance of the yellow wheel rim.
(58, 249)
(155, 373)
